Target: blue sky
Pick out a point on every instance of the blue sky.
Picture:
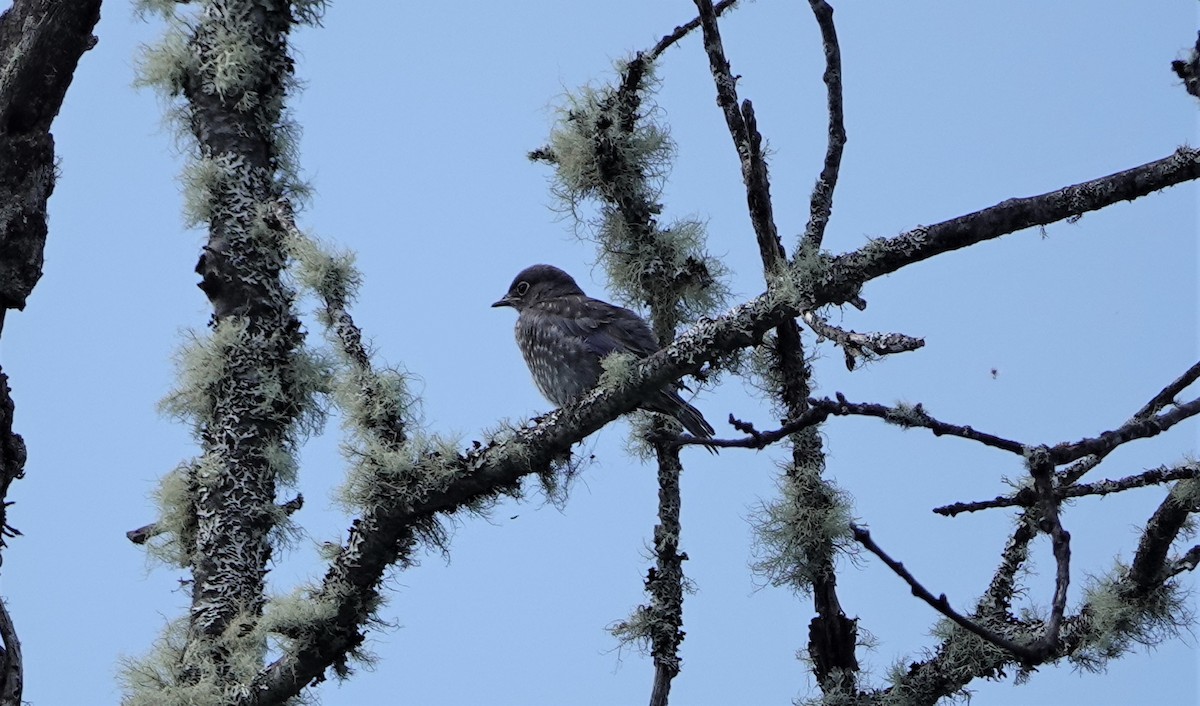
(417, 118)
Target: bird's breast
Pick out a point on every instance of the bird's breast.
(560, 363)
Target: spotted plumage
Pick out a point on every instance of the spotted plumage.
(564, 334)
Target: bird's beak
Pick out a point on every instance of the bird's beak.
(504, 301)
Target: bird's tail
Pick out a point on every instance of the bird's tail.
(669, 402)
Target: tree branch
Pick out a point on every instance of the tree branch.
(1136, 428)
(1167, 395)
(821, 202)
(683, 30)
(940, 603)
(41, 42)
(1026, 497)
(821, 409)
(12, 679)
(848, 272)
(1042, 470)
(866, 346)
(666, 581)
(1149, 561)
(499, 464)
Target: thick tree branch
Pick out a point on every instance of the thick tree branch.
(1149, 566)
(41, 42)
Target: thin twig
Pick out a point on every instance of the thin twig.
(821, 202)
(145, 533)
(1167, 396)
(682, 31)
(940, 602)
(821, 409)
(1027, 497)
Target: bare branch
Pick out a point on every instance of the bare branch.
(1136, 428)
(1042, 470)
(1167, 395)
(888, 255)
(683, 30)
(1026, 497)
(821, 202)
(13, 675)
(941, 604)
(743, 128)
(821, 409)
(1149, 561)
(866, 346)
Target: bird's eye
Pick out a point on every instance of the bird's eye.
(522, 287)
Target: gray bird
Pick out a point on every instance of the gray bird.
(564, 334)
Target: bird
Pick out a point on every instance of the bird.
(564, 334)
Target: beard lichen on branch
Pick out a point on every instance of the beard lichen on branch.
(250, 388)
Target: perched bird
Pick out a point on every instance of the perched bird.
(564, 334)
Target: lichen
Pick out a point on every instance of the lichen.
(1118, 618)
(801, 532)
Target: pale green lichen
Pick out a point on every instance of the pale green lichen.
(800, 533)
(383, 474)
(1118, 619)
(180, 671)
(208, 365)
(330, 274)
(636, 630)
(907, 416)
(602, 153)
(165, 66)
(617, 369)
(175, 528)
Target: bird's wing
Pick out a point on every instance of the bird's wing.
(604, 328)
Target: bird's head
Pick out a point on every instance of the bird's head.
(538, 283)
